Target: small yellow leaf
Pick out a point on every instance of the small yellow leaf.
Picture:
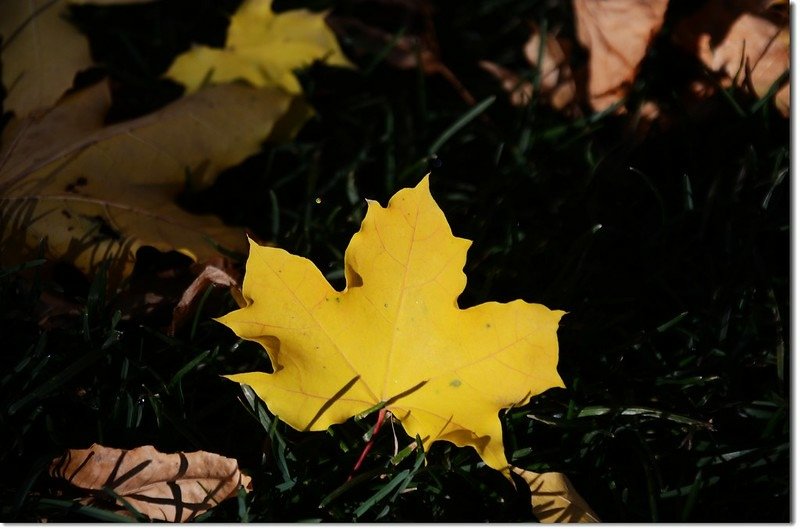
(262, 48)
(554, 499)
(41, 54)
(395, 336)
(166, 487)
(98, 192)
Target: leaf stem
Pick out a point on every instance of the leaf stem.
(378, 424)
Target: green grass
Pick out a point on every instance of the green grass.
(669, 250)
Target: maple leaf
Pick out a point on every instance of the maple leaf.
(395, 336)
(262, 48)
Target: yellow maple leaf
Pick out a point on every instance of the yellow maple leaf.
(395, 335)
(262, 48)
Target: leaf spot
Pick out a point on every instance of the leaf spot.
(455, 382)
(73, 187)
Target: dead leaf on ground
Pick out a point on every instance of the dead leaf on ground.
(556, 82)
(416, 48)
(97, 192)
(413, 45)
(219, 274)
(41, 53)
(519, 90)
(262, 48)
(743, 43)
(617, 34)
(554, 499)
(394, 337)
(166, 487)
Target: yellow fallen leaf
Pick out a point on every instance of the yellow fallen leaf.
(395, 336)
(554, 499)
(747, 49)
(166, 487)
(617, 34)
(262, 48)
(99, 192)
(41, 53)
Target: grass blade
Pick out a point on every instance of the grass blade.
(387, 489)
(460, 123)
(87, 510)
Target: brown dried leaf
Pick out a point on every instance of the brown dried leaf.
(168, 487)
(417, 48)
(554, 499)
(407, 51)
(519, 91)
(747, 49)
(617, 34)
(554, 69)
(556, 81)
(210, 275)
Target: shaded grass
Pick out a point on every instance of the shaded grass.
(668, 248)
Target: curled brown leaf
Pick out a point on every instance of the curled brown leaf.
(416, 48)
(556, 79)
(219, 274)
(167, 487)
(519, 90)
(556, 83)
